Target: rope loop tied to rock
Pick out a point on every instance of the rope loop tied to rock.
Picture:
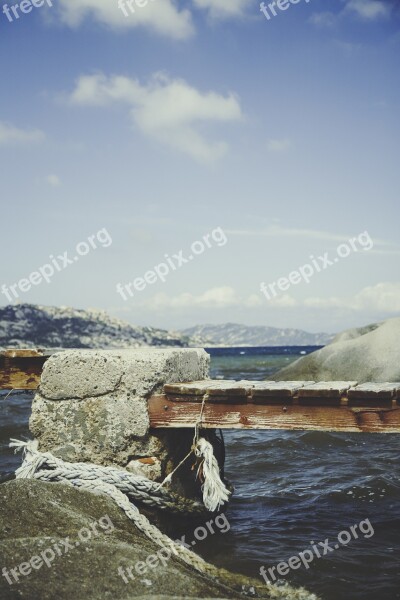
(121, 485)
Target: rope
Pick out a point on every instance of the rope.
(215, 493)
(137, 487)
(118, 485)
(121, 485)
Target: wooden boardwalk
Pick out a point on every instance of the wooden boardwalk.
(290, 405)
(21, 369)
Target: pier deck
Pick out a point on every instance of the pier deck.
(291, 405)
(287, 405)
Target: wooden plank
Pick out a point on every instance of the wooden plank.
(196, 399)
(374, 391)
(210, 387)
(277, 389)
(21, 369)
(326, 389)
(28, 352)
(21, 373)
(165, 413)
(326, 393)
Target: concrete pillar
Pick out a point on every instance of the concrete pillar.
(91, 406)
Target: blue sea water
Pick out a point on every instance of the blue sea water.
(291, 489)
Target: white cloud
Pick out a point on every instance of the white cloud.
(368, 9)
(279, 146)
(220, 9)
(165, 109)
(10, 135)
(217, 298)
(384, 297)
(160, 16)
(53, 180)
(278, 231)
(280, 301)
(348, 47)
(323, 19)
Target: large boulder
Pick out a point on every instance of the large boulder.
(370, 353)
(36, 518)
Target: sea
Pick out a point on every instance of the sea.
(294, 491)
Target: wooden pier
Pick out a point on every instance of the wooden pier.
(291, 405)
(287, 405)
(21, 369)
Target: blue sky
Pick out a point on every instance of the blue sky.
(185, 117)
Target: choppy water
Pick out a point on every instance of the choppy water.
(292, 489)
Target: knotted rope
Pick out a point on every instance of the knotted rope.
(215, 493)
(120, 486)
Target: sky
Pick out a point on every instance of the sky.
(165, 163)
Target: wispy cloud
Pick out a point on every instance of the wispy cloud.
(323, 19)
(369, 10)
(278, 231)
(162, 17)
(10, 135)
(216, 298)
(53, 180)
(279, 146)
(383, 297)
(348, 47)
(223, 9)
(167, 110)
(364, 10)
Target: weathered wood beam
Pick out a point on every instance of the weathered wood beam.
(289, 405)
(21, 369)
(166, 412)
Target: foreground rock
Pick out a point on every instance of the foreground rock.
(369, 353)
(36, 516)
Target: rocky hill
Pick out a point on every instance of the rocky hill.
(232, 334)
(28, 325)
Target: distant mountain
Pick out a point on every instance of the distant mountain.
(29, 325)
(34, 326)
(232, 334)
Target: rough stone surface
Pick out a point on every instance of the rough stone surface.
(369, 353)
(35, 515)
(150, 467)
(79, 374)
(92, 405)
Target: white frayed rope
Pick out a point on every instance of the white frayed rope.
(215, 493)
